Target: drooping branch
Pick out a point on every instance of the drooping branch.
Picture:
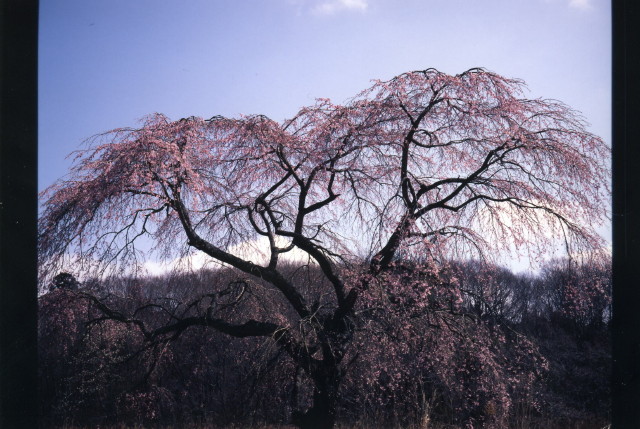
(172, 330)
(271, 275)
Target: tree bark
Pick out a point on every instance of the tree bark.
(322, 414)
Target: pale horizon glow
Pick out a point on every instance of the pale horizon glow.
(256, 251)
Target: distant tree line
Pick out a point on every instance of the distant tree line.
(485, 345)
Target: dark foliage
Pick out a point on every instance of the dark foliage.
(524, 328)
(64, 281)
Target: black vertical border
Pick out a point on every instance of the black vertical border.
(18, 213)
(626, 222)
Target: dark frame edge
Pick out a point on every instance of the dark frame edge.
(625, 389)
(18, 213)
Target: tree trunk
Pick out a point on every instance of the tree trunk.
(322, 414)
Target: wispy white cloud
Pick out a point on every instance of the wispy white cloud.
(333, 6)
(580, 4)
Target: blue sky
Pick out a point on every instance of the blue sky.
(107, 64)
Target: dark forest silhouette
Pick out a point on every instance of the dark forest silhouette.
(94, 370)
